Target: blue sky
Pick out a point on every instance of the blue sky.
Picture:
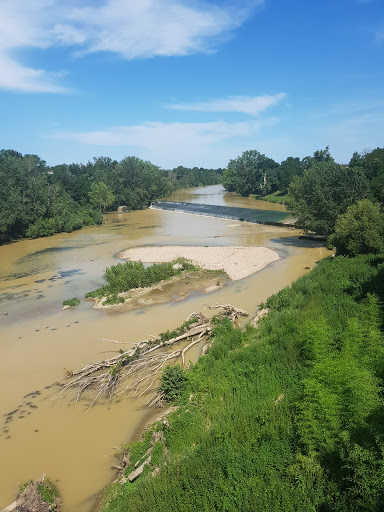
(185, 82)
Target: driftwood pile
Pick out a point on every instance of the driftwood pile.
(136, 369)
(31, 498)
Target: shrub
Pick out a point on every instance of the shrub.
(71, 302)
(132, 274)
(42, 227)
(173, 382)
(359, 230)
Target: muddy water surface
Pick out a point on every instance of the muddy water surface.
(39, 340)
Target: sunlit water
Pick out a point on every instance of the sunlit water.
(39, 340)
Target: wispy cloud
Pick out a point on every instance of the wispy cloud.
(244, 104)
(154, 135)
(174, 142)
(14, 76)
(24, 24)
(129, 28)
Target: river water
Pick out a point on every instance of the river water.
(75, 447)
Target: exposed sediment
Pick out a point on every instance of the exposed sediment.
(237, 262)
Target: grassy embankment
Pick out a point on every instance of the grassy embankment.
(123, 277)
(286, 418)
(276, 197)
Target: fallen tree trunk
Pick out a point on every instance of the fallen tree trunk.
(138, 368)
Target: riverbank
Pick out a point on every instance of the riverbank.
(39, 339)
(236, 262)
(297, 400)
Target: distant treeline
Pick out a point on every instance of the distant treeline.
(343, 202)
(255, 173)
(38, 200)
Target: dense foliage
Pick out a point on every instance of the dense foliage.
(251, 173)
(286, 418)
(254, 173)
(172, 382)
(324, 192)
(33, 203)
(360, 230)
(38, 200)
(71, 302)
(317, 191)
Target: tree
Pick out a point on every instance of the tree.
(359, 230)
(289, 168)
(101, 195)
(250, 173)
(324, 192)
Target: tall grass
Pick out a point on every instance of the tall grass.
(286, 418)
(133, 274)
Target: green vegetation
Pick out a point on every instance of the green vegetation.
(71, 302)
(37, 200)
(276, 197)
(133, 274)
(48, 491)
(288, 417)
(324, 192)
(168, 335)
(315, 189)
(360, 230)
(173, 381)
(251, 173)
(101, 196)
(42, 495)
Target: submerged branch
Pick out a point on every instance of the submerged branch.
(137, 369)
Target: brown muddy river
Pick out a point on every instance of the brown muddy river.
(39, 340)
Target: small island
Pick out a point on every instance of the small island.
(175, 272)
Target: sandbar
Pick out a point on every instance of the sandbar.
(237, 262)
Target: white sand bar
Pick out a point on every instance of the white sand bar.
(237, 262)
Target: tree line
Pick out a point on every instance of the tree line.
(39, 200)
(343, 202)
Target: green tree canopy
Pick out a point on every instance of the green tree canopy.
(289, 168)
(359, 230)
(101, 195)
(251, 173)
(324, 192)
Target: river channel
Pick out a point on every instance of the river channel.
(39, 340)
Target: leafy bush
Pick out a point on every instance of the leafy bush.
(42, 227)
(71, 302)
(132, 274)
(173, 381)
(360, 230)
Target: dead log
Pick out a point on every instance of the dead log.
(259, 315)
(132, 476)
(10, 507)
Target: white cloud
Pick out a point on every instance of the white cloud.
(244, 104)
(130, 28)
(14, 76)
(168, 144)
